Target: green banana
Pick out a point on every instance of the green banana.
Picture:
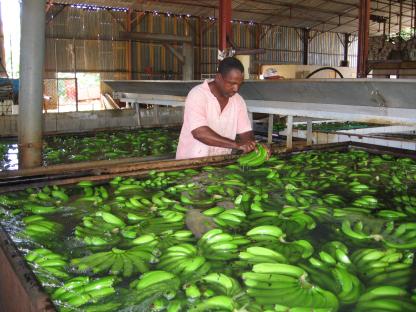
(279, 268)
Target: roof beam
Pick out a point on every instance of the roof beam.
(353, 20)
(301, 7)
(250, 11)
(144, 36)
(356, 6)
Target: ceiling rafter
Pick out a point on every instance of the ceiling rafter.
(301, 7)
(323, 15)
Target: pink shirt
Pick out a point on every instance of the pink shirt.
(202, 109)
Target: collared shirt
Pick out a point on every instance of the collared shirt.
(203, 109)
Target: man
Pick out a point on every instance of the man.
(216, 119)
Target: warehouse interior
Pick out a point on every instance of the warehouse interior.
(97, 214)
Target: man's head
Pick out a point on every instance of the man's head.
(230, 76)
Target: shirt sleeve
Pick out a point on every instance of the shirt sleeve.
(243, 122)
(195, 110)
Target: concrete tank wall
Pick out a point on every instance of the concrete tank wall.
(97, 120)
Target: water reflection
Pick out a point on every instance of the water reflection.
(9, 157)
(13, 156)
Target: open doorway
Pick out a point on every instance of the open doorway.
(70, 93)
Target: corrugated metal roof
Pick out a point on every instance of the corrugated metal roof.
(322, 15)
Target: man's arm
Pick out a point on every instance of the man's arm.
(245, 137)
(209, 137)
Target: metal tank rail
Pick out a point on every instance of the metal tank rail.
(381, 101)
(103, 170)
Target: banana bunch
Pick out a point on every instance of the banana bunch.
(216, 284)
(385, 298)
(287, 285)
(331, 271)
(48, 195)
(146, 242)
(385, 267)
(338, 251)
(110, 218)
(302, 198)
(358, 188)
(218, 245)
(97, 307)
(131, 186)
(401, 237)
(170, 238)
(98, 239)
(222, 284)
(366, 201)
(354, 212)
(391, 214)
(136, 204)
(291, 220)
(9, 201)
(292, 250)
(154, 284)
(117, 261)
(183, 261)
(355, 230)
(135, 217)
(160, 201)
(39, 209)
(231, 218)
(200, 202)
(255, 158)
(256, 254)
(350, 286)
(167, 220)
(49, 261)
(192, 292)
(172, 216)
(406, 203)
(265, 233)
(81, 290)
(220, 303)
(99, 225)
(101, 229)
(334, 200)
(273, 238)
(321, 213)
(90, 194)
(39, 227)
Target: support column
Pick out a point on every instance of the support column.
(32, 56)
(309, 132)
(225, 12)
(129, 47)
(156, 111)
(346, 45)
(363, 30)
(289, 133)
(188, 64)
(270, 129)
(305, 39)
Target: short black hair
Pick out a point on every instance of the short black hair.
(228, 64)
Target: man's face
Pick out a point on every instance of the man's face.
(230, 83)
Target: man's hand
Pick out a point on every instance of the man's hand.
(269, 151)
(246, 147)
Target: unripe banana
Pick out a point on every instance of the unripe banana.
(279, 268)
